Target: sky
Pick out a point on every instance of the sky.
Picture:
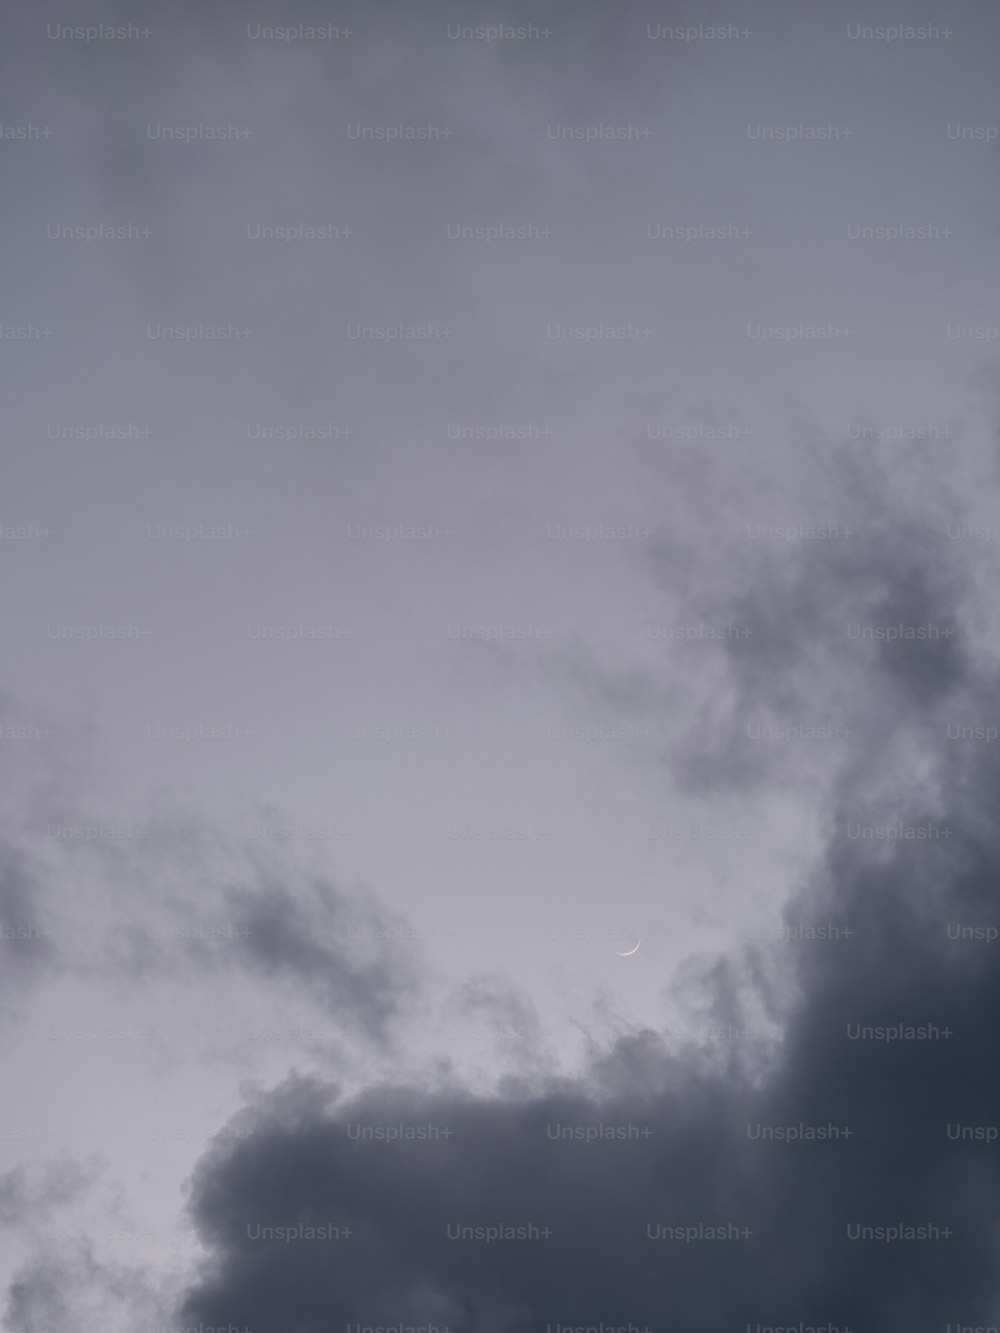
(499, 742)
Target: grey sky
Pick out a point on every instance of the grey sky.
(530, 562)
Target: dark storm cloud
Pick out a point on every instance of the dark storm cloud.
(692, 1151)
(873, 1111)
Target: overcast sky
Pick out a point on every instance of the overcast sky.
(498, 725)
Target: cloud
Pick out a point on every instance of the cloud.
(832, 1118)
(26, 946)
(694, 1151)
(74, 1287)
(314, 937)
(173, 897)
(28, 1195)
(691, 431)
(830, 620)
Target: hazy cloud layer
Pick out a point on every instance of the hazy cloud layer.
(498, 554)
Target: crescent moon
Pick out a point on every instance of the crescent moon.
(628, 952)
